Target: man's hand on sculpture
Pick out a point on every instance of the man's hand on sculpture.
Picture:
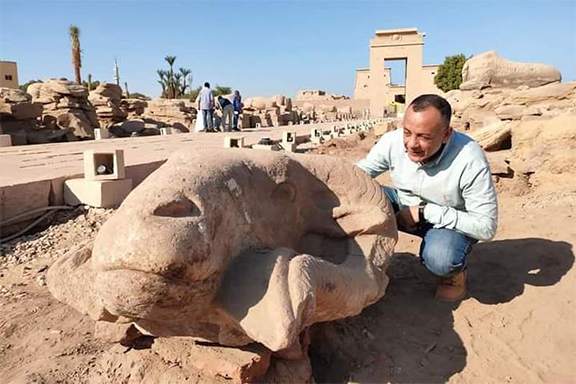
(407, 218)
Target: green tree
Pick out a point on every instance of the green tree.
(221, 90)
(24, 86)
(76, 52)
(193, 94)
(138, 95)
(449, 74)
(90, 84)
(174, 84)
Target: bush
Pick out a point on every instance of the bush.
(24, 86)
(138, 95)
(449, 74)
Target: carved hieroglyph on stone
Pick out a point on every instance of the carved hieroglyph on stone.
(235, 247)
(490, 70)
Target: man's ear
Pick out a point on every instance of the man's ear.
(447, 135)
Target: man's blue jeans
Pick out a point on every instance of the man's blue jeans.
(442, 251)
(208, 118)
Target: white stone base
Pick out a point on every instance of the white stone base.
(96, 193)
(273, 147)
(5, 141)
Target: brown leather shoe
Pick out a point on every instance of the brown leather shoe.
(452, 288)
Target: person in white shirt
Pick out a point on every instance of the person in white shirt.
(206, 106)
(442, 189)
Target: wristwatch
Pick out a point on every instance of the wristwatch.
(421, 219)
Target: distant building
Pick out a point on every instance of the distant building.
(8, 74)
(375, 84)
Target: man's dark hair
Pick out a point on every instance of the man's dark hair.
(424, 101)
(207, 84)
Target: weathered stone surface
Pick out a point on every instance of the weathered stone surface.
(116, 332)
(248, 246)
(72, 271)
(547, 93)
(474, 109)
(490, 70)
(547, 145)
(179, 114)
(493, 137)
(133, 107)
(239, 365)
(14, 96)
(106, 99)
(268, 111)
(15, 105)
(78, 122)
(290, 371)
(66, 106)
(510, 112)
(132, 366)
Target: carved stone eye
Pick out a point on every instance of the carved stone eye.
(180, 207)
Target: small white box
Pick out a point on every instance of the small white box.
(101, 133)
(5, 141)
(104, 165)
(234, 142)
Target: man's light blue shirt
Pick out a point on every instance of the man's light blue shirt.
(206, 98)
(456, 186)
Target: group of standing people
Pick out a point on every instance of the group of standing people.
(208, 121)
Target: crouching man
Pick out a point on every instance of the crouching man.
(442, 189)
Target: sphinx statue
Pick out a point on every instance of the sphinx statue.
(236, 246)
(487, 69)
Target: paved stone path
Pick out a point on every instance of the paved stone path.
(30, 163)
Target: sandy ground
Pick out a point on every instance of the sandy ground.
(516, 325)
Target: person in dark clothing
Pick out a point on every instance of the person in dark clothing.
(237, 106)
(227, 113)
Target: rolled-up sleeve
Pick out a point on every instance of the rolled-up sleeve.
(480, 217)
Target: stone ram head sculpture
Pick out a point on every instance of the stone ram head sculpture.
(236, 246)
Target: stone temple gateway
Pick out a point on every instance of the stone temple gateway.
(374, 83)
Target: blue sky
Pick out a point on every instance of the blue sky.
(272, 47)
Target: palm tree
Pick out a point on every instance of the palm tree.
(76, 52)
(174, 84)
(185, 73)
(170, 83)
(170, 60)
(162, 75)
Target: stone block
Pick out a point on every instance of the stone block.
(289, 137)
(165, 131)
(104, 165)
(266, 147)
(96, 193)
(289, 147)
(5, 141)
(234, 142)
(101, 133)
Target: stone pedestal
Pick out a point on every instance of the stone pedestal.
(96, 193)
(5, 141)
(234, 142)
(101, 133)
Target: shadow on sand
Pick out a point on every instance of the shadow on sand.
(409, 337)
